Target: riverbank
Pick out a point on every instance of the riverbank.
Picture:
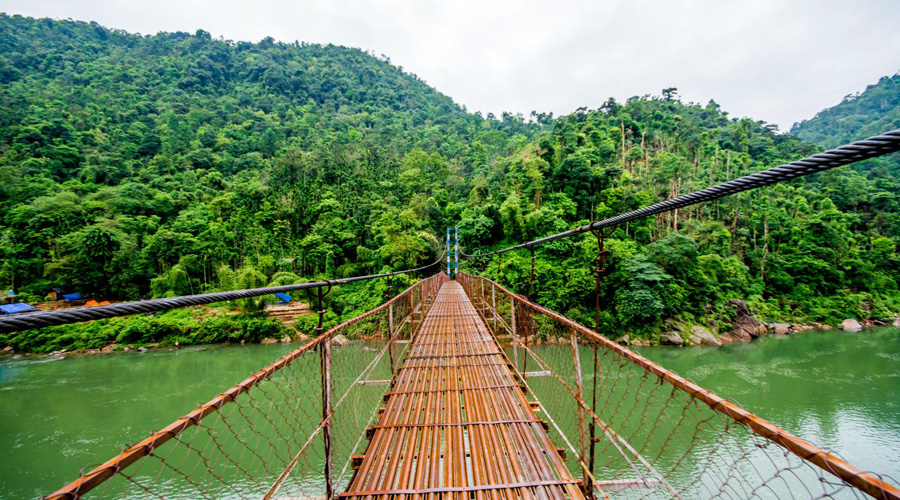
(60, 416)
(176, 328)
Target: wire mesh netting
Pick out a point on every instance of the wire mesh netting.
(635, 430)
(290, 430)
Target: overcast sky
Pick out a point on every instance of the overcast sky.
(775, 60)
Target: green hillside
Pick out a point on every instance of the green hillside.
(144, 166)
(875, 110)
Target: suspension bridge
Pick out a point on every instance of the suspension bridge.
(444, 393)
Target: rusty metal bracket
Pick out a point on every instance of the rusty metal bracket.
(320, 294)
(390, 287)
(602, 254)
(531, 277)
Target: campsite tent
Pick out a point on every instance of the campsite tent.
(15, 308)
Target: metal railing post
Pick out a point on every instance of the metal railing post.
(582, 428)
(391, 338)
(494, 306)
(515, 335)
(325, 357)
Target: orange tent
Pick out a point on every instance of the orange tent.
(91, 302)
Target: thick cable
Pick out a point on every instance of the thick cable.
(865, 149)
(41, 319)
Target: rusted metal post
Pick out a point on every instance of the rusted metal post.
(325, 364)
(325, 351)
(494, 306)
(515, 335)
(592, 425)
(582, 428)
(602, 254)
(391, 338)
(411, 307)
(527, 323)
(481, 297)
(531, 277)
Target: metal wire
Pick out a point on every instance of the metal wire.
(661, 436)
(40, 319)
(872, 147)
(266, 436)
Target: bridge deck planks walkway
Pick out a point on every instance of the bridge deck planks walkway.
(456, 424)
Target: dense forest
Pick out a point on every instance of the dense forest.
(144, 166)
(860, 115)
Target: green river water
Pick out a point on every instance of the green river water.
(841, 391)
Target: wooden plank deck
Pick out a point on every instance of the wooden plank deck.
(457, 424)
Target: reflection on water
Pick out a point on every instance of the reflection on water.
(60, 416)
(840, 391)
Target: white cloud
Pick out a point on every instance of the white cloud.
(774, 60)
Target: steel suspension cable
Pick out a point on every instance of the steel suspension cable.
(879, 145)
(42, 319)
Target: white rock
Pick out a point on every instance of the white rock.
(672, 338)
(702, 336)
(850, 325)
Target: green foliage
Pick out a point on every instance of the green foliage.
(816, 249)
(140, 166)
(185, 327)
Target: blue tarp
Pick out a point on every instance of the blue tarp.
(283, 296)
(15, 308)
(72, 296)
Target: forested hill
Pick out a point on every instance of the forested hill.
(135, 166)
(127, 157)
(875, 110)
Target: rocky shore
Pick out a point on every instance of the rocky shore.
(745, 329)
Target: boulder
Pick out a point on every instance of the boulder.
(8, 348)
(268, 340)
(672, 338)
(678, 327)
(340, 340)
(745, 326)
(302, 338)
(897, 321)
(702, 336)
(623, 339)
(286, 339)
(142, 349)
(731, 337)
(850, 325)
(780, 328)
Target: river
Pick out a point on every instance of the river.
(841, 391)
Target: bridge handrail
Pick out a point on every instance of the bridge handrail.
(132, 454)
(40, 319)
(866, 482)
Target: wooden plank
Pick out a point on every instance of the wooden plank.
(456, 422)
